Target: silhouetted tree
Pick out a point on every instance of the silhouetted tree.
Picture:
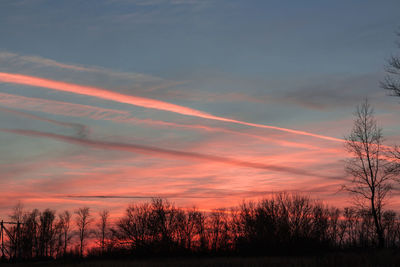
(371, 173)
(103, 228)
(392, 79)
(29, 234)
(392, 84)
(188, 227)
(218, 231)
(281, 224)
(334, 231)
(161, 221)
(46, 233)
(202, 233)
(64, 228)
(390, 227)
(83, 220)
(133, 227)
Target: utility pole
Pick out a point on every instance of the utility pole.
(14, 240)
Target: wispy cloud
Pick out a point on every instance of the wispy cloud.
(140, 83)
(329, 92)
(160, 2)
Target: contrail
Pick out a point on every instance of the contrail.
(96, 113)
(138, 197)
(135, 148)
(137, 101)
(107, 196)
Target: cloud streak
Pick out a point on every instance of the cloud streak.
(34, 62)
(81, 129)
(135, 148)
(118, 116)
(137, 197)
(60, 108)
(137, 101)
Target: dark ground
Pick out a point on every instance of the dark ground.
(352, 259)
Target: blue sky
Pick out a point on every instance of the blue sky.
(172, 38)
(301, 65)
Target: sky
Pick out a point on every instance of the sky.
(205, 102)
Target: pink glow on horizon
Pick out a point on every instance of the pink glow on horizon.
(247, 170)
(167, 177)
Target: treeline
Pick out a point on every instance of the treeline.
(283, 224)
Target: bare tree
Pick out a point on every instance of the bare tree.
(18, 212)
(103, 228)
(188, 226)
(218, 231)
(46, 233)
(64, 223)
(392, 84)
(392, 79)
(83, 220)
(133, 227)
(371, 173)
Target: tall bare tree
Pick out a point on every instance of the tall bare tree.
(83, 220)
(392, 79)
(103, 228)
(371, 173)
(392, 84)
(46, 233)
(64, 222)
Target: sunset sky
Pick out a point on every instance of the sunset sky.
(205, 102)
